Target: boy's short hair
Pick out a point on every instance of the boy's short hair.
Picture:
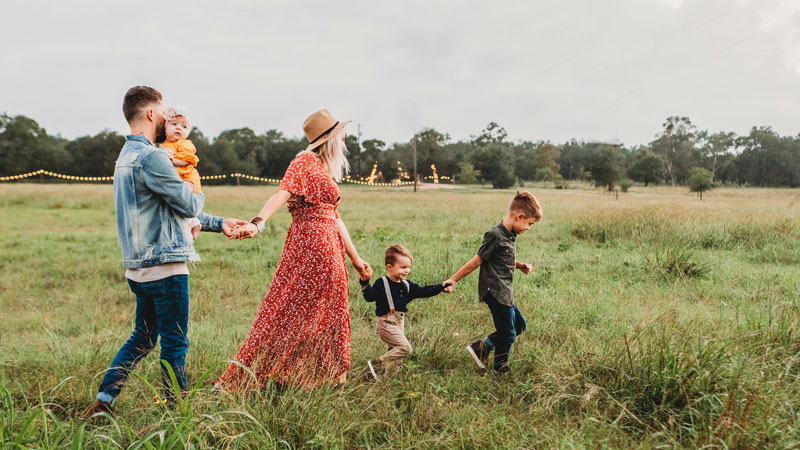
(524, 202)
(136, 99)
(177, 111)
(393, 251)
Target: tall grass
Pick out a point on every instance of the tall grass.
(647, 326)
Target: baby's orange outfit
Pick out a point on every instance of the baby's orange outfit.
(184, 150)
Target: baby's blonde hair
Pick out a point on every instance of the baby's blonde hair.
(177, 111)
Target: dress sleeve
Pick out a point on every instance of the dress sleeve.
(300, 179)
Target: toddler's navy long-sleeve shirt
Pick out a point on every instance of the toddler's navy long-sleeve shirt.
(401, 296)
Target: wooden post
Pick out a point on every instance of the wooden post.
(415, 162)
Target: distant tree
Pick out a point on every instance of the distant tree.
(25, 147)
(238, 150)
(371, 153)
(572, 160)
(676, 145)
(525, 160)
(278, 151)
(546, 158)
(768, 159)
(546, 174)
(495, 162)
(606, 164)
(429, 145)
(646, 167)
(700, 180)
(714, 147)
(492, 134)
(468, 174)
(95, 155)
(354, 150)
(450, 156)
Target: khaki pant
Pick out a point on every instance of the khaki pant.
(391, 329)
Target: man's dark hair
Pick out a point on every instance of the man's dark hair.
(136, 99)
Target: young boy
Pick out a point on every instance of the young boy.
(391, 295)
(497, 260)
(182, 153)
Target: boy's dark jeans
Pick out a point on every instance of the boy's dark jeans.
(508, 324)
(162, 309)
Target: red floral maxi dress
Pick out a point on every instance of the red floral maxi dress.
(301, 333)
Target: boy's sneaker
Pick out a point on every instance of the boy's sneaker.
(373, 366)
(479, 352)
(500, 371)
(97, 407)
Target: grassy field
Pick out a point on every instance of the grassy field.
(655, 320)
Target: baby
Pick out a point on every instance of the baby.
(182, 153)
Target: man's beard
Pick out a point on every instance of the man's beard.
(161, 134)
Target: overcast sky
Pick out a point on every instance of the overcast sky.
(585, 69)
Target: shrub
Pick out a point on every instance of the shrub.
(677, 262)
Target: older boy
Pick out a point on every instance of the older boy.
(497, 260)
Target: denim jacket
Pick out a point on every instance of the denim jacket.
(152, 203)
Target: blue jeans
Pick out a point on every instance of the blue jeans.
(162, 309)
(508, 324)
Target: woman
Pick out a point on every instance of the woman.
(301, 333)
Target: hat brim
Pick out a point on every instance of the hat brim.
(330, 135)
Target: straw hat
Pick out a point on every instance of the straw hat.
(320, 126)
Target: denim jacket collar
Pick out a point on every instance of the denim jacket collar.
(136, 137)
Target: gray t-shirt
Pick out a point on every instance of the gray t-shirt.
(498, 255)
(159, 272)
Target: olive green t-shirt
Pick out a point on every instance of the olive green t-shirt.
(498, 255)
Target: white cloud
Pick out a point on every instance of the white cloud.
(542, 70)
(783, 17)
(672, 3)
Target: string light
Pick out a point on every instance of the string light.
(347, 179)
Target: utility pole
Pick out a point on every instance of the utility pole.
(415, 162)
(358, 140)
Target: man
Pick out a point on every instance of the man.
(152, 204)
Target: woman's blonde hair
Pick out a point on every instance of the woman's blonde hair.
(333, 153)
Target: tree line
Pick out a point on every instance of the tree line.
(760, 158)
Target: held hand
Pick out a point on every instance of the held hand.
(190, 184)
(245, 231)
(196, 231)
(363, 268)
(229, 224)
(526, 268)
(449, 285)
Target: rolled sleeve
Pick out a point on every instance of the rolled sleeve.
(209, 222)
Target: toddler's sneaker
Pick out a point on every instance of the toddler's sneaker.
(479, 352)
(374, 366)
(98, 407)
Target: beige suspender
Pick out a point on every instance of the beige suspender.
(389, 298)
